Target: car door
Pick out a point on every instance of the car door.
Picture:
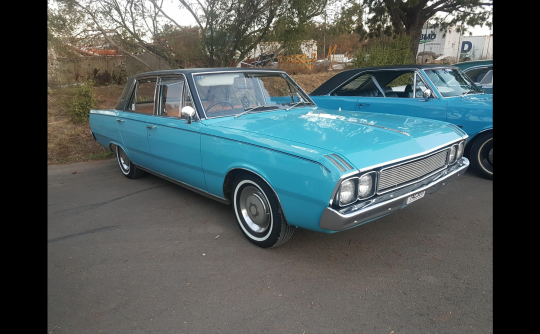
(133, 122)
(404, 96)
(175, 141)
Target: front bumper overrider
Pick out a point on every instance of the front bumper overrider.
(357, 214)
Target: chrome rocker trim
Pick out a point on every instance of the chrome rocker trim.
(346, 218)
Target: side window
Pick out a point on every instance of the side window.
(420, 87)
(478, 74)
(143, 99)
(401, 86)
(187, 101)
(172, 91)
(363, 85)
(487, 79)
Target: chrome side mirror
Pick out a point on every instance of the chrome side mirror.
(188, 112)
(427, 94)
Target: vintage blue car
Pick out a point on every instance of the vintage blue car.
(480, 72)
(254, 139)
(437, 92)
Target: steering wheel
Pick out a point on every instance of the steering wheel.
(219, 102)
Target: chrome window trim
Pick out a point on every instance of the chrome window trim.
(133, 91)
(416, 180)
(186, 86)
(242, 71)
(477, 67)
(412, 69)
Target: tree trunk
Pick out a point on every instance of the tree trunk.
(415, 33)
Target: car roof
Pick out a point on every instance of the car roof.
(206, 69)
(341, 77)
(471, 63)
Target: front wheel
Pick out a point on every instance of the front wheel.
(258, 212)
(482, 155)
(126, 166)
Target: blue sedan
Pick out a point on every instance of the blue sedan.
(436, 92)
(480, 72)
(254, 139)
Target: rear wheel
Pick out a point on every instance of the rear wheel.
(127, 167)
(258, 212)
(482, 155)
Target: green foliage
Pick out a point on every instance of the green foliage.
(385, 51)
(79, 100)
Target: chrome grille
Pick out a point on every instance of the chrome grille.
(407, 172)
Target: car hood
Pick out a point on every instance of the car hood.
(365, 139)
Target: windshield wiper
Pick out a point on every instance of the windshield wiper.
(294, 105)
(253, 108)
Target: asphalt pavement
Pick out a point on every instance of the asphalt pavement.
(148, 256)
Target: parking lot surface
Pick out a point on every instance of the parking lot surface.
(148, 256)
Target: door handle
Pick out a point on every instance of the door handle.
(151, 126)
(119, 120)
(361, 104)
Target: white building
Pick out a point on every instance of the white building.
(453, 46)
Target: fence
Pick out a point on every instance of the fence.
(296, 61)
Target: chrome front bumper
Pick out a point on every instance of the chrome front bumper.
(338, 220)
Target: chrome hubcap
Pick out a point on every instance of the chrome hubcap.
(490, 156)
(255, 209)
(124, 160)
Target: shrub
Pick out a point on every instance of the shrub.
(385, 51)
(79, 100)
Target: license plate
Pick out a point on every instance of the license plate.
(415, 197)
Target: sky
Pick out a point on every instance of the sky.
(183, 17)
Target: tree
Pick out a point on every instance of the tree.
(227, 29)
(402, 17)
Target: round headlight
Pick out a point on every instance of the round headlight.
(365, 185)
(452, 155)
(460, 149)
(347, 192)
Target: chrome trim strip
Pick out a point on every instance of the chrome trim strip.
(411, 156)
(187, 186)
(342, 161)
(341, 168)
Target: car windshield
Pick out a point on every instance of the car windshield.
(235, 93)
(452, 82)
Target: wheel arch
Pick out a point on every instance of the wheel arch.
(231, 176)
(473, 139)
